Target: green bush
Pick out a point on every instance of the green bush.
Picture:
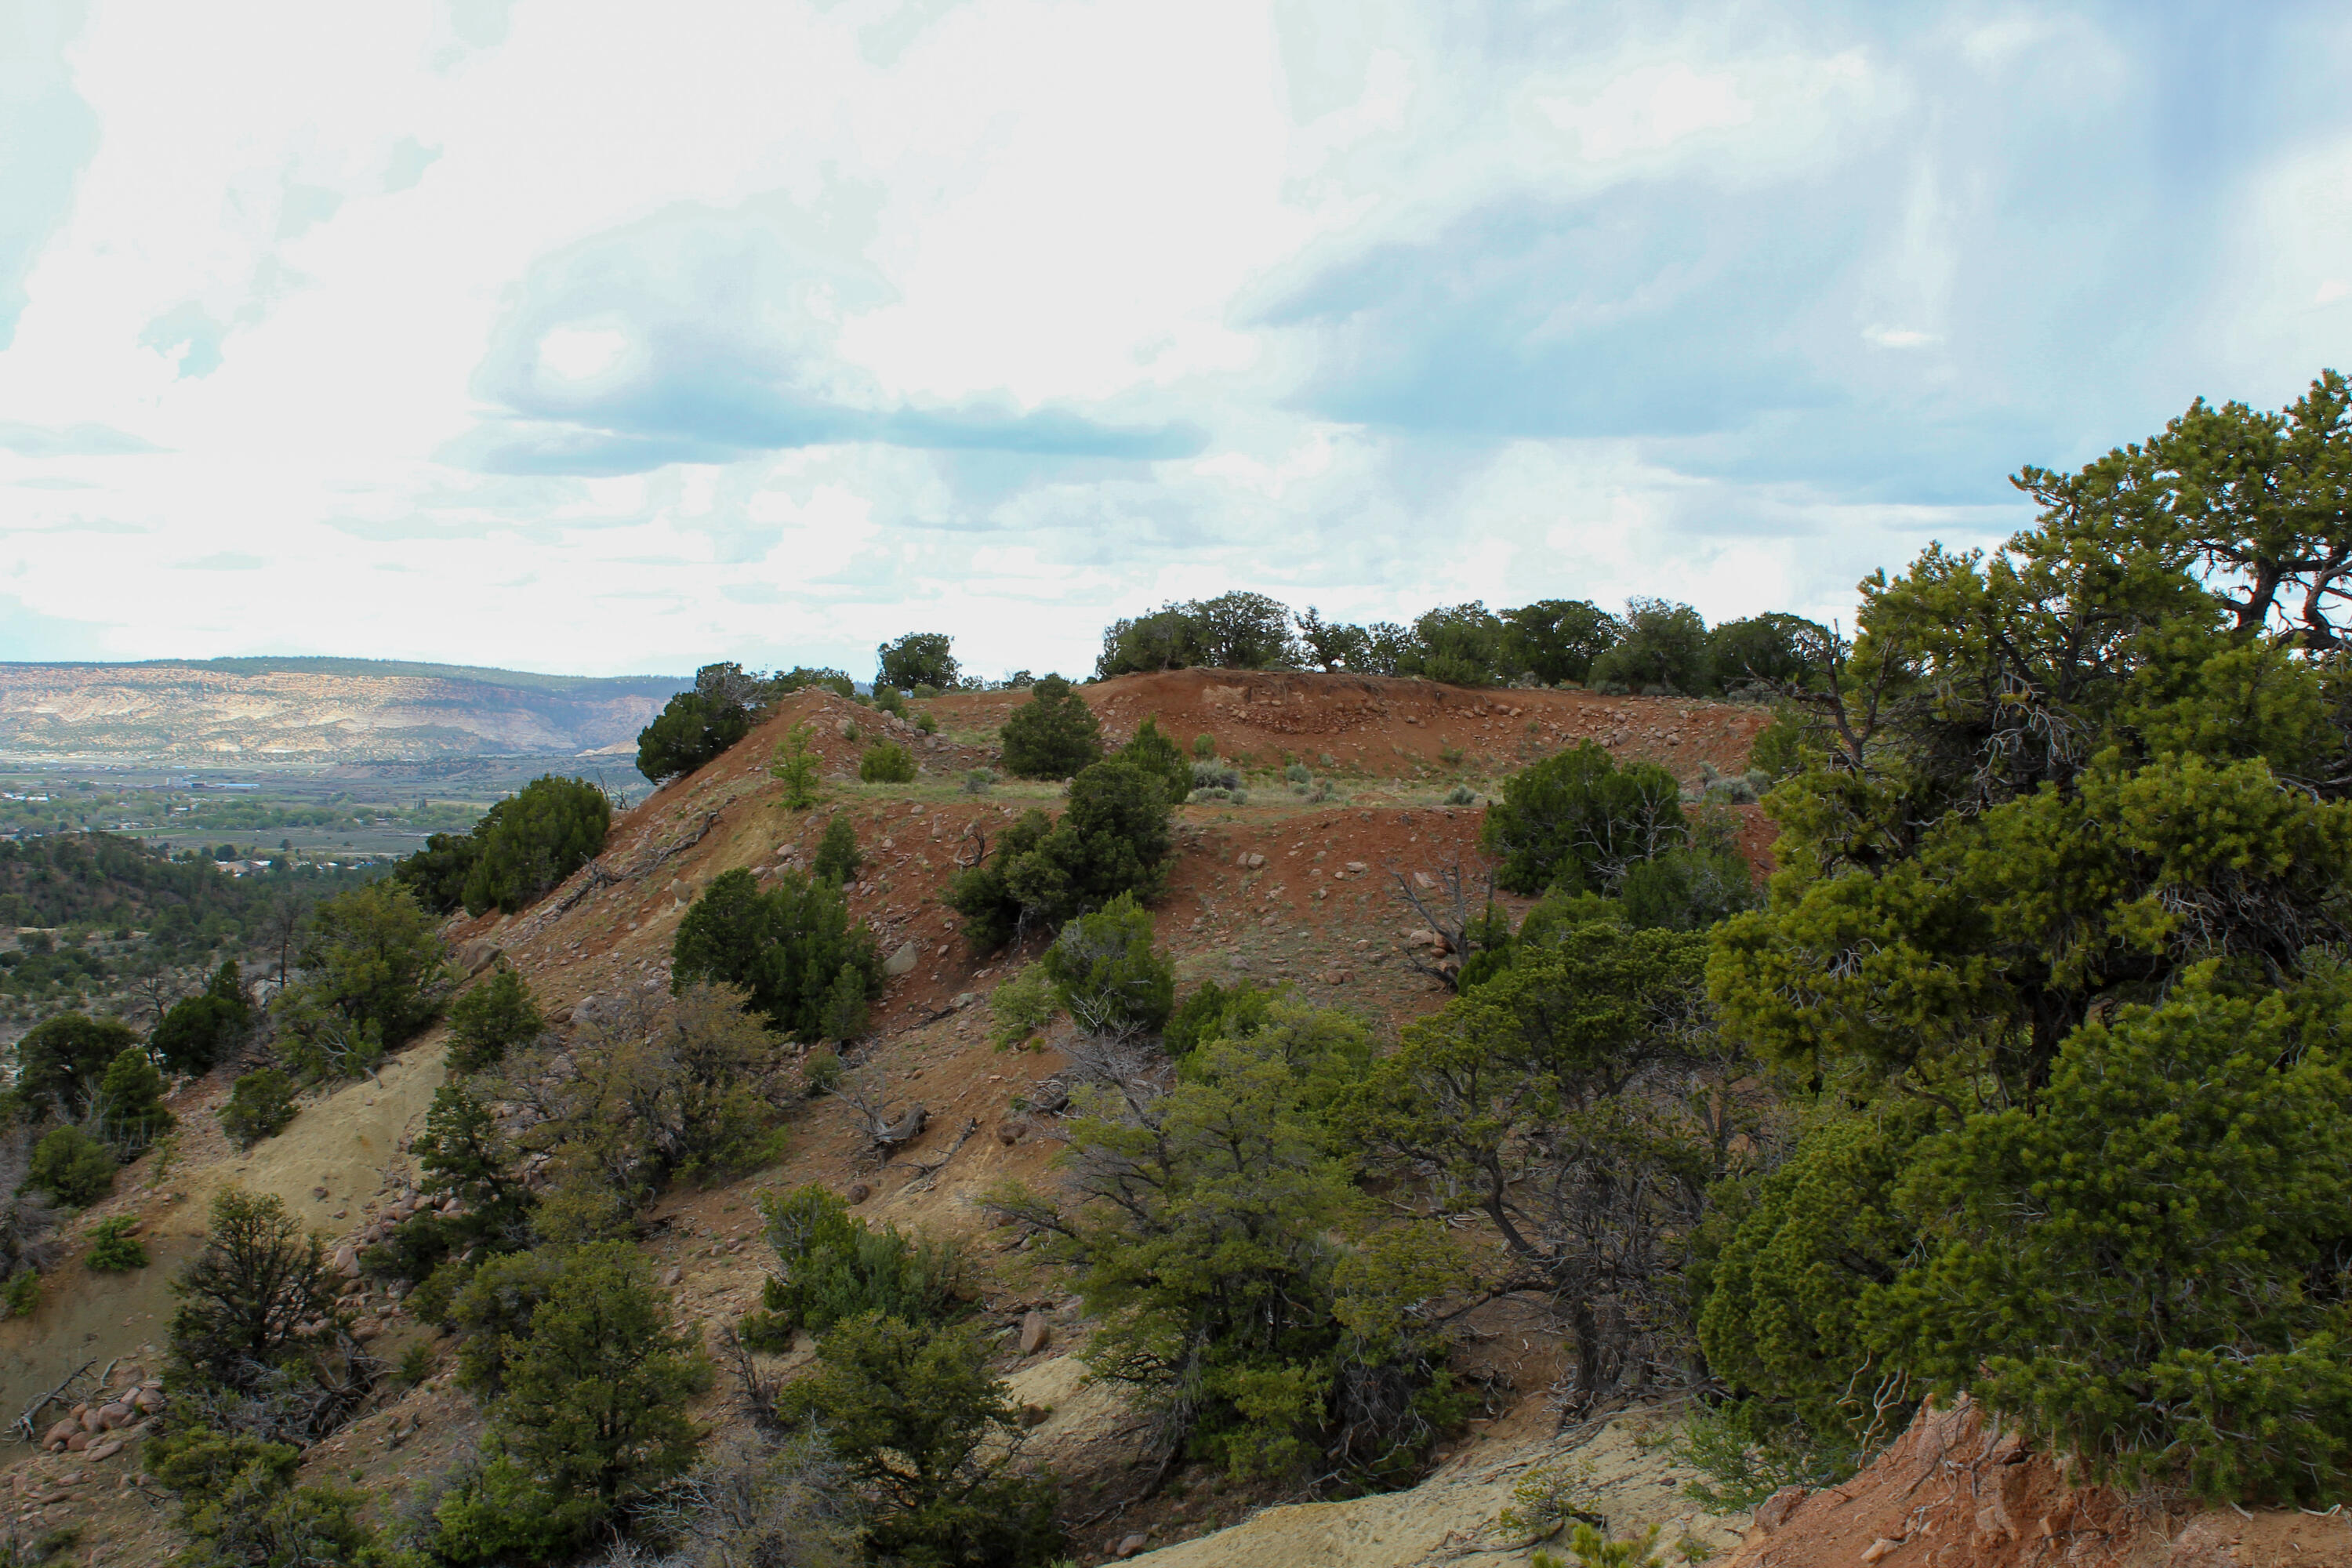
(112, 1248)
(917, 659)
(820, 1072)
(1020, 1008)
(1204, 746)
(1578, 820)
(690, 732)
(1113, 838)
(831, 1264)
(22, 1293)
(2070, 1314)
(75, 1169)
(927, 723)
(980, 781)
(886, 762)
(1216, 1013)
(130, 1111)
(795, 765)
(61, 1061)
(1105, 974)
(1555, 640)
(1662, 649)
(1690, 887)
(887, 700)
(198, 1032)
(1154, 754)
(1223, 1218)
(589, 1411)
(789, 946)
(837, 856)
(259, 1338)
(929, 1436)
(1053, 735)
(372, 975)
(259, 1106)
(534, 840)
(492, 1019)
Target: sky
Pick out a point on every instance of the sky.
(614, 339)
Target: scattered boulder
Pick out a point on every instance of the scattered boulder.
(902, 962)
(858, 1192)
(1130, 1546)
(1036, 1332)
(674, 1276)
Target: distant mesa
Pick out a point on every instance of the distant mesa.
(318, 711)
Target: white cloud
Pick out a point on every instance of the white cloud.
(957, 314)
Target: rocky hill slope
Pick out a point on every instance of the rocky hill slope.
(1280, 888)
(316, 711)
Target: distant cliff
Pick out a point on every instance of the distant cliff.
(316, 709)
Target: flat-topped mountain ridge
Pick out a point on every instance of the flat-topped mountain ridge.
(317, 711)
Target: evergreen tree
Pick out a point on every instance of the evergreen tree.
(1151, 753)
(1053, 735)
(788, 946)
(548, 830)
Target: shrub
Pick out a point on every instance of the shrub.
(913, 1414)
(1664, 648)
(795, 765)
(535, 839)
(2067, 1313)
(372, 973)
(820, 1072)
(1019, 1008)
(259, 1342)
(1555, 640)
(112, 1248)
(1213, 775)
(492, 1019)
(1578, 820)
(1053, 735)
(1105, 974)
(130, 1111)
(589, 1415)
(917, 659)
(980, 781)
(691, 732)
(886, 762)
(1113, 838)
(788, 946)
(887, 700)
(239, 1504)
(1461, 795)
(656, 1091)
(927, 723)
(1213, 1218)
(1154, 754)
(1688, 889)
(837, 856)
(1765, 653)
(75, 1169)
(60, 1061)
(830, 1265)
(1216, 1013)
(1204, 745)
(198, 1032)
(436, 874)
(923, 690)
(259, 1106)
(22, 1293)
(1296, 773)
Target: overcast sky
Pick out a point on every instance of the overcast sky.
(613, 338)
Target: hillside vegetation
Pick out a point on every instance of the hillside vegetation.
(1134, 1102)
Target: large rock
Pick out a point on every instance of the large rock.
(903, 961)
(1036, 1332)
